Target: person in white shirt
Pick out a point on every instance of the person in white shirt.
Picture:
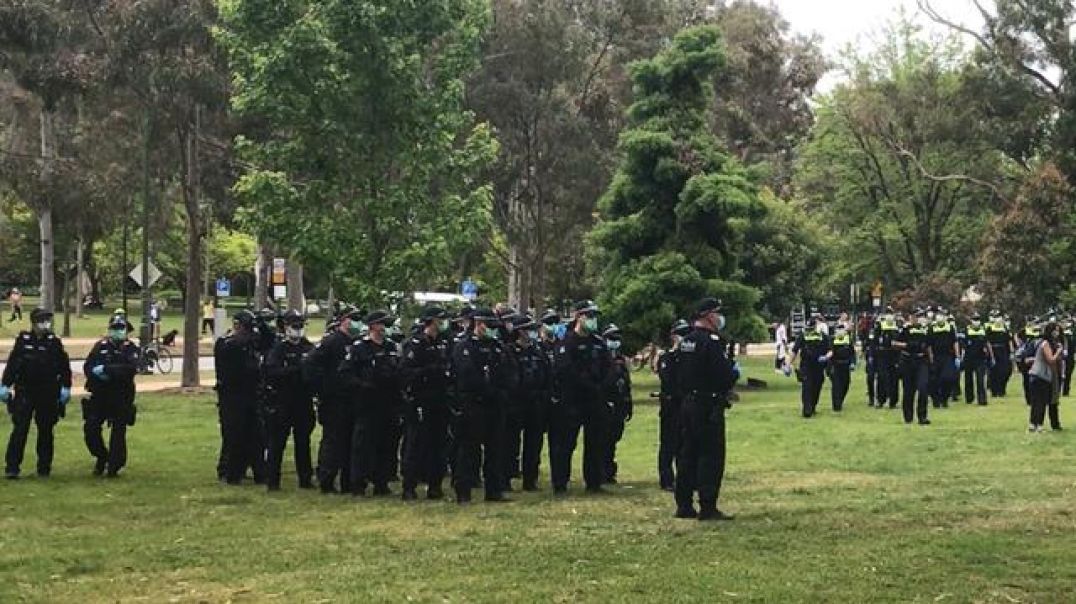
(780, 340)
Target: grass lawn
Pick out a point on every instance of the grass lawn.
(850, 508)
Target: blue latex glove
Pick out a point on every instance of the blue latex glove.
(99, 372)
(65, 395)
(957, 362)
(5, 393)
(993, 363)
(736, 370)
(822, 360)
(787, 370)
(851, 366)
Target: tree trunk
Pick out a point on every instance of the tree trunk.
(44, 217)
(262, 268)
(514, 276)
(192, 299)
(296, 295)
(65, 303)
(80, 277)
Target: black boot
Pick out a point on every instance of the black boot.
(686, 511)
(99, 466)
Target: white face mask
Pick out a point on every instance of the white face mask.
(43, 326)
(295, 333)
(613, 345)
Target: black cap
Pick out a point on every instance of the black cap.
(244, 317)
(919, 312)
(379, 316)
(706, 306)
(680, 328)
(975, 316)
(117, 322)
(523, 322)
(585, 307)
(612, 332)
(293, 318)
(267, 314)
(431, 313)
(40, 314)
(550, 317)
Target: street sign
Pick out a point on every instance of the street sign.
(136, 274)
(469, 289)
(224, 287)
(280, 292)
(280, 272)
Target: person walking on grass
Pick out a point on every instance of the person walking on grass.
(1043, 378)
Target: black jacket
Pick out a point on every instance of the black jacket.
(38, 366)
(120, 360)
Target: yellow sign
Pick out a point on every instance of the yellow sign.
(280, 271)
(876, 291)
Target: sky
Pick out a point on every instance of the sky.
(843, 22)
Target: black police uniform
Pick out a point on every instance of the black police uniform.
(1001, 343)
(238, 388)
(915, 369)
(706, 376)
(811, 345)
(870, 362)
(618, 392)
(111, 400)
(37, 368)
(426, 414)
(289, 410)
(1066, 376)
(334, 411)
(482, 382)
(669, 436)
(888, 364)
(371, 372)
(840, 369)
(943, 372)
(527, 419)
(582, 367)
(975, 364)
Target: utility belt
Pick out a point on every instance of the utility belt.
(704, 397)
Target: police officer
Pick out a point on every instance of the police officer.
(1001, 343)
(841, 361)
(582, 368)
(110, 371)
(706, 377)
(813, 347)
(978, 358)
(1067, 339)
(238, 367)
(618, 395)
(916, 360)
(527, 418)
(426, 406)
(289, 404)
(888, 360)
(669, 398)
(371, 374)
(335, 413)
(870, 362)
(945, 359)
(480, 374)
(40, 373)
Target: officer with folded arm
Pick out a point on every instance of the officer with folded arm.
(110, 372)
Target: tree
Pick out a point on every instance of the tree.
(673, 222)
(894, 166)
(364, 145)
(1028, 256)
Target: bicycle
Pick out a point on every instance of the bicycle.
(157, 354)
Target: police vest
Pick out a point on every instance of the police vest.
(812, 336)
(976, 332)
(841, 341)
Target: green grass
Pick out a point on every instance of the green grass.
(855, 508)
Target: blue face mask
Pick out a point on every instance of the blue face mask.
(118, 335)
(533, 334)
(493, 333)
(560, 330)
(720, 322)
(591, 324)
(613, 345)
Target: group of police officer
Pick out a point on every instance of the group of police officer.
(916, 359)
(474, 395)
(36, 388)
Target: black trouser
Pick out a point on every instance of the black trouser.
(1042, 399)
(424, 446)
(241, 431)
(480, 436)
(669, 438)
(95, 412)
(615, 432)
(888, 380)
(1066, 378)
(44, 411)
(873, 381)
(942, 378)
(289, 416)
(840, 376)
(916, 380)
(513, 438)
(975, 382)
(814, 376)
(1000, 372)
(701, 463)
(526, 427)
(16, 312)
(567, 420)
(1026, 378)
(371, 447)
(392, 447)
(334, 451)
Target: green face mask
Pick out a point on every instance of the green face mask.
(591, 324)
(493, 334)
(355, 328)
(443, 326)
(117, 334)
